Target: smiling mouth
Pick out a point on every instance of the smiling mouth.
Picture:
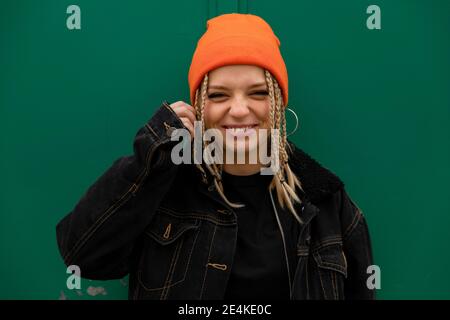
(239, 128)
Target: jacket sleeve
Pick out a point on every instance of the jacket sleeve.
(98, 235)
(357, 250)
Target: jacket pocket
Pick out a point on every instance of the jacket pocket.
(332, 270)
(169, 242)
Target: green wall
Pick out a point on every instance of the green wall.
(374, 107)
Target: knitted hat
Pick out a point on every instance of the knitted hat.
(236, 38)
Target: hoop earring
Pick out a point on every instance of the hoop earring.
(296, 119)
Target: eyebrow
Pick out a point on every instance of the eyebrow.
(252, 86)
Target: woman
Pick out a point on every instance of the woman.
(221, 229)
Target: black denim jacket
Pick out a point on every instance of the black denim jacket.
(168, 228)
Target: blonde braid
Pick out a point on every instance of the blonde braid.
(278, 104)
(272, 117)
(202, 109)
(283, 135)
(271, 95)
(214, 169)
(292, 179)
(285, 180)
(197, 109)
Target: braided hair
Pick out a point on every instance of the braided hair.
(284, 180)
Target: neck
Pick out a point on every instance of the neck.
(242, 169)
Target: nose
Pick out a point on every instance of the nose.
(239, 108)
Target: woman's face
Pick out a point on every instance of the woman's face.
(237, 99)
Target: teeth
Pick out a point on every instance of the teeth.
(238, 130)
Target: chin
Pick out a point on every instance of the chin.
(241, 148)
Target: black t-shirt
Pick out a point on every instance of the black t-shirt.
(259, 269)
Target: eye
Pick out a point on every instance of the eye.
(215, 95)
(261, 93)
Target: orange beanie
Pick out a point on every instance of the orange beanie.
(236, 38)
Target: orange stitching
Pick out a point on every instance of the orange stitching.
(320, 263)
(85, 237)
(352, 225)
(321, 284)
(175, 283)
(171, 269)
(334, 284)
(209, 255)
(154, 235)
(194, 215)
(335, 265)
(327, 242)
(345, 260)
(154, 289)
(151, 129)
(307, 280)
(168, 107)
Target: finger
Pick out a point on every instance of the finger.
(186, 113)
(187, 123)
(191, 109)
(184, 110)
(175, 104)
(180, 104)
